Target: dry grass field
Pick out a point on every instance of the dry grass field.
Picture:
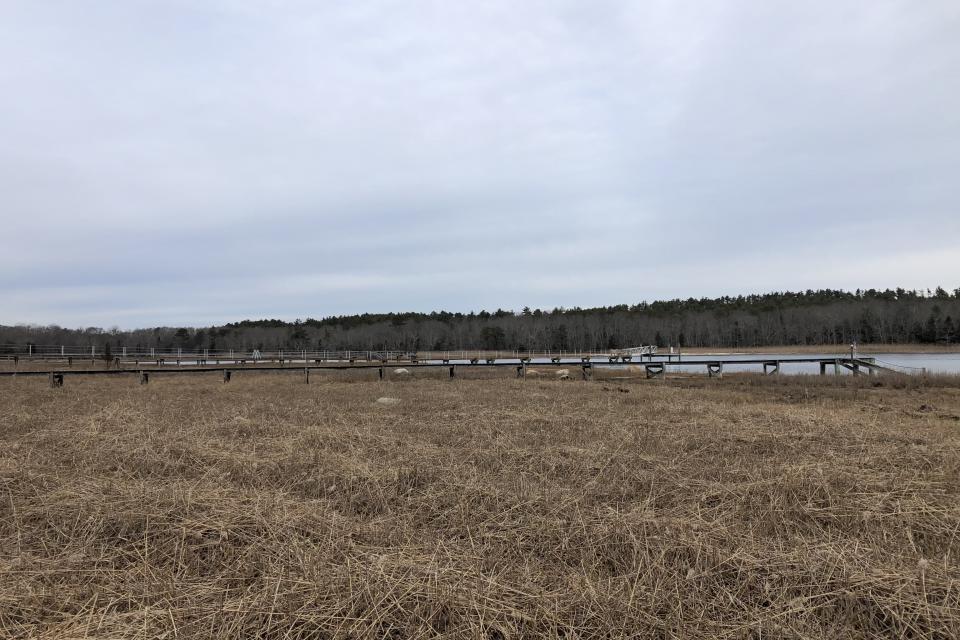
(747, 507)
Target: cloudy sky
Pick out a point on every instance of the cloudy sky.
(194, 162)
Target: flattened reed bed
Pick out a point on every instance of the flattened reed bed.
(483, 508)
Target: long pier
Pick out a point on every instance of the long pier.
(654, 366)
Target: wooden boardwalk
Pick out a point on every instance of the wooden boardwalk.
(654, 366)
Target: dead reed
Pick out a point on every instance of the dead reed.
(747, 507)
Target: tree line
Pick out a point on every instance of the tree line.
(821, 317)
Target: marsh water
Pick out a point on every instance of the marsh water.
(904, 362)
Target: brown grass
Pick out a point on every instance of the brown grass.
(747, 507)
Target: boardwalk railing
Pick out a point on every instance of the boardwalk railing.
(174, 355)
(51, 352)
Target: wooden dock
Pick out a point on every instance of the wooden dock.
(654, 366)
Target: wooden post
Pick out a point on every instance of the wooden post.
(381, 373)
(144, 377)
(656, 370)
(453, 371)
(306, 375)
(226, 375)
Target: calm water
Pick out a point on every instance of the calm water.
(905, 362)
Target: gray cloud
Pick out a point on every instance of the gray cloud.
(179, 162)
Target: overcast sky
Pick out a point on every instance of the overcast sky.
(191, 162)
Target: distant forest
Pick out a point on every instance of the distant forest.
(824, 317)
